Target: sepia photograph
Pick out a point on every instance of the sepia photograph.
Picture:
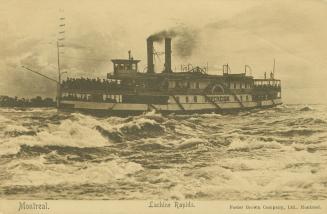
(166, 104)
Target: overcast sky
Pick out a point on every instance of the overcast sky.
(238, 32)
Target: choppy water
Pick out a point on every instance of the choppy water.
(278, 153)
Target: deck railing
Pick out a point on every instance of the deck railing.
(267, 82)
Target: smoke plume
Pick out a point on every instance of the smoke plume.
(185, 39)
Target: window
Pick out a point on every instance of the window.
(177, 84)
(234, 84)
(197, 85)
(241, 97)
(177, 99)
(186, 99)
(195, 99)
(247, 97)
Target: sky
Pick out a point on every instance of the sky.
(213, 32)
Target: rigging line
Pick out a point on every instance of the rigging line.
(40, 74)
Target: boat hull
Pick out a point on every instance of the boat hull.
(126, 109)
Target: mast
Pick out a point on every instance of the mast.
(59, 77)
(61, 37)
(274, 68)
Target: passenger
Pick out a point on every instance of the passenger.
(87, 83)
(104, 84)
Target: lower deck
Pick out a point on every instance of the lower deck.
(174, 106)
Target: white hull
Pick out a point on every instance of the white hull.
(170, 107)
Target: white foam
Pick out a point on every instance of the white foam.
(191, 142)
(138, 123)
(72, 133)
(68, 133)
(36, 172)
(252, 144)
(28, 110)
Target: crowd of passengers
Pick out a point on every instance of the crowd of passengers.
(87, 98)
(268, 86)
(75, 97)
(89, 84)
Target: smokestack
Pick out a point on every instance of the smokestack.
(149, 42)
(168, 55)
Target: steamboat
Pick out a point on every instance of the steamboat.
(127, 91)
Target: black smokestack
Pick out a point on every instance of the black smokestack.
(149, 42)
(168, 55)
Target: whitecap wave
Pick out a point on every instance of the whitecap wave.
(252, 144)
(35, 172)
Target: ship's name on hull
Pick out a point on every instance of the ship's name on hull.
(218, 98)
